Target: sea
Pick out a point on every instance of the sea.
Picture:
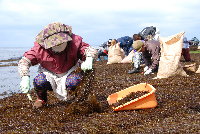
(12, 52)
(9, 76)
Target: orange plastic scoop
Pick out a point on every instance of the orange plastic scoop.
(146, 101)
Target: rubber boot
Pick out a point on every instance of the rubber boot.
(41, 100)
(135, 70)
(105, 57)
(99, 59)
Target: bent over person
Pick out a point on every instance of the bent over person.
(57, 50)
(103, 50)
(151, 54)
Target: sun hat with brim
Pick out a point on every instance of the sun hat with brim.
(137, 45)
(54, 34)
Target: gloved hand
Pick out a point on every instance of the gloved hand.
(148, 71)
(87, 64)
(25, 84)
(105, 52)
(146, 68)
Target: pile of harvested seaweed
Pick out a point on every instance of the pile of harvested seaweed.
(178, 109)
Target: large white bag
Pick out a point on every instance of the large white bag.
(198, 70)
(171, 48)
(128, 58)
(115, 53)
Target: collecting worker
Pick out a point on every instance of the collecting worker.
(103, 50)
(151, 54)
(185, 50)
(57, 51)
(137, 59)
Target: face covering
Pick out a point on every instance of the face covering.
(59, 48)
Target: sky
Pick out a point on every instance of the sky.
(96, 21)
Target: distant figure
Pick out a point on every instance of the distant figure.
(185, 50)
(103, 50)
(194, 41)
(126, 44)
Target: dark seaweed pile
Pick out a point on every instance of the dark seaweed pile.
(131, 96)
(9, 62)
(178, 109)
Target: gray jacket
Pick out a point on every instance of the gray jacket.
(103, 46)
(152, 54)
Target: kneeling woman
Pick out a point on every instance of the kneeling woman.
(57, 50)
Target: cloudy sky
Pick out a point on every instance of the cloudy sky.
(96, 21)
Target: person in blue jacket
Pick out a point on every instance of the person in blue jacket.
(126, 44)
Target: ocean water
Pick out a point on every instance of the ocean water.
(9, 76)
(12, 52)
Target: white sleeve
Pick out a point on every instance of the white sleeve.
(90, 51)
(23, 67)
(157, 34)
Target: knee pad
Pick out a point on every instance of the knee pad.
(40, 83)
(73, 80)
